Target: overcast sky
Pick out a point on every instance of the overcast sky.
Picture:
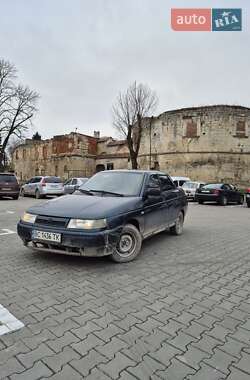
(78, 54)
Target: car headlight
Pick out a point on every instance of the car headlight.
(87, 224)
(28, 218)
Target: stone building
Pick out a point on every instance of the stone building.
(210, 143)
(71, 155)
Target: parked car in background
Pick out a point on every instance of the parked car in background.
(40, 186)
(73, 184)
(190, 188)
(9, 186)
(179, 181)
(110, 215)
(248, 197)
(222, 193)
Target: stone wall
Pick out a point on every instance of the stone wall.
(206, 143)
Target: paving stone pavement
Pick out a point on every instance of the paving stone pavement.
(179, 312)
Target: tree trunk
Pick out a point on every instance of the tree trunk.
(134, 163)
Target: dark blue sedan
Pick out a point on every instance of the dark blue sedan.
(109, 215)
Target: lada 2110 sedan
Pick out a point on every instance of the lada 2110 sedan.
(109, 215)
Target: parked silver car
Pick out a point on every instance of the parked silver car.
(42, 186)
(190, 188)
(73, 184)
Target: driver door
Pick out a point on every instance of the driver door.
(153, 208)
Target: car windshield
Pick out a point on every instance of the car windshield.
(52, 180)
(212, 186)
(125, 183)
(190, 185)
(7, 178)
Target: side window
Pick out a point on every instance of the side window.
(176, 183)
(68, 182)
(226, 187)
(166, 183)
(74, 181)
(154, 181)
(181, 183)
(36, 180)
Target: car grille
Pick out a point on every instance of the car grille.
(51, 221)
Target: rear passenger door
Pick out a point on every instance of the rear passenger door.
(34, 185)
(170, 195)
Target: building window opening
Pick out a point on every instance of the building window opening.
(241, 129)
(110, 166)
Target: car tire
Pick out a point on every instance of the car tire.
(241, 200)
(177, 229)
(22, 193)
(15, 197)
(129, 245)
(200, 202)
(37, 194)
(248, 205)
(223, 201)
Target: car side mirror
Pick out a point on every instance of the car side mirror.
(153, 192)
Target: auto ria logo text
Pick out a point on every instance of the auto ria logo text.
(206, 19)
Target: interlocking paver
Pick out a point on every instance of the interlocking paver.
(115, 366)
(88, 362)
(178, 312)
(39, 371)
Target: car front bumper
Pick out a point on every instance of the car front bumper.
(76, 243)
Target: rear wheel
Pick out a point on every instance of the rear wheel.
(16, 197)
(223, 201)
(177, 229)
(200, 201)
(37, 194)
(241, 200)
(129, 245)
(22, 193)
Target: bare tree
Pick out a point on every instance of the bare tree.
(129, 114)
(17, 107)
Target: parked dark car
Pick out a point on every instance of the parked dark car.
(248, 197)
(9, 186)
(109, 215)
(73, 184)
(222, 193)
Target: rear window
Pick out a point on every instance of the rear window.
(52, 180)
(7, 178)
(212, 186)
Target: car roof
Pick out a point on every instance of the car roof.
(134, 171)
(180, 178)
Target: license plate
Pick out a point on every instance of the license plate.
(205, 191)
(47, 236)
(6, 189)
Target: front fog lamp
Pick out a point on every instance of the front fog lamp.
(28, 218)
(87, 224)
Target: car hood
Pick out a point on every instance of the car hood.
(86, 206)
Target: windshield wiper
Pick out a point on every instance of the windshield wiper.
(88, 192)
(107, 192)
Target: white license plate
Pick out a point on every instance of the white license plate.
(6, 189)
(205, 191)
(47, 236)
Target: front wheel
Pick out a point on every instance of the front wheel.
(200, 202)
(248, 204)
(177, 229)
(223, 201)
(129, 245)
